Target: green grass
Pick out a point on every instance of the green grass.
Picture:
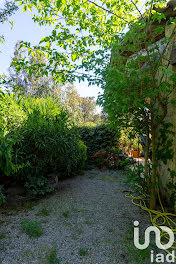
(111, 230)
(79, 230)
(107, 178)
(30, 205)
(83, 252)
(11, 209)
(92, 177)
(43, 212)
(134, 255)
(32, 228)
(51, 257)
(3, 235)
(83, 211)
(66, 214)
(88, 223)
(67, 224)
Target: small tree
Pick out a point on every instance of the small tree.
(87, 106)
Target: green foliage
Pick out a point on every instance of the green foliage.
(3, 236)
(129, 140)
(66, 214)
(49, 144)
(165, 148)
(2, 196)
(37, 139)
(135, 178)
(98, 137)
(36, 185)
(164, 154)
(90, 17)
(32, 82)
(11, 114)
(47, 106)
(11, 118)
(51, 257)
(87, 107)
(83, 252)
(32, 228)
(134, 93)
(6, 155)
(43, 212)
(134, 255)
(9, 8)
(123, 163)
(172, 187)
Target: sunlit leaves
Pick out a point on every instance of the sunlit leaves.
(83, 27)
(24, 8)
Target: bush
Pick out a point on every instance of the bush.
(98, 138)
(50, 145)
(11, 118)
(6, 155)
(37, 139)
(11, 114)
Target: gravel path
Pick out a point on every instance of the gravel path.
(90, 222)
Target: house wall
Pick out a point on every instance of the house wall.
(164, 174)
(169, 56)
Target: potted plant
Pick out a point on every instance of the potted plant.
(136, 148)
(135, 153)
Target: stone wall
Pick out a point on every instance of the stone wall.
(164, 175)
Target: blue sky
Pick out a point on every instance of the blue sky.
(25, 29)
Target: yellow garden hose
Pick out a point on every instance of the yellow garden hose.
(155, 216)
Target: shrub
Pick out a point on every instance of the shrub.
(49, 144)
(47, 106)
(98, 137)
(6, 155)
(11, 118)
(11, 114)
(37, 138)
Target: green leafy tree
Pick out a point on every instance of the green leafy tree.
(87, 106)
(30, 82)
(19, 78)
(82, 109)
(83, 32)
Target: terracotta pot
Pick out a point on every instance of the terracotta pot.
(135, 154)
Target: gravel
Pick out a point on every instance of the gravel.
(89, 222)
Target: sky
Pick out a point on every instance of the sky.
(25, 29)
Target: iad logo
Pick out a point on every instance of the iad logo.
(157, 236)
(159, 257)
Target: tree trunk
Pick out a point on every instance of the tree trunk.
(146, 161)
(154, 170)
